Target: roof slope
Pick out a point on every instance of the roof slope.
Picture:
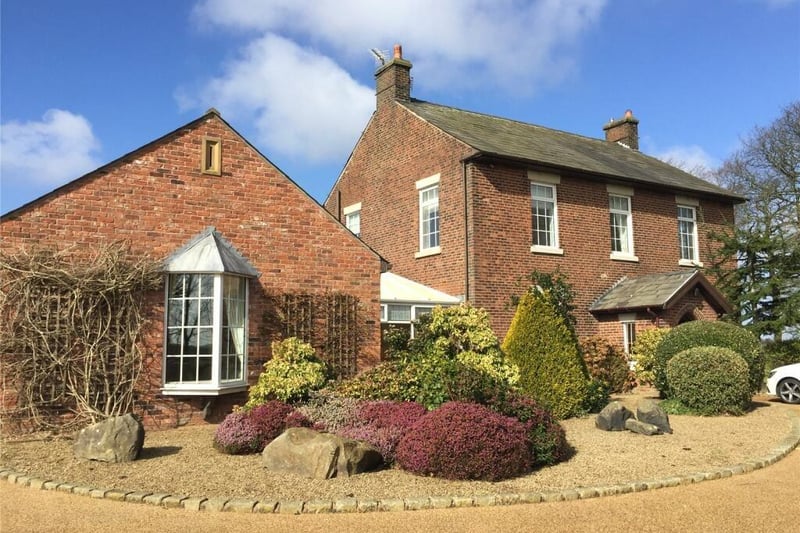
(506, 138)
(657, 291)
(208, 252)
(395, 288)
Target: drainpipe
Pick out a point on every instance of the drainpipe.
(466, 233)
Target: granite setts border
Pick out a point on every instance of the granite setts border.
(354, 505)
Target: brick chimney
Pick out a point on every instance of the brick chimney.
(624, 131)
(393, 79)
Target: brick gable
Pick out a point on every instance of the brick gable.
(156, 198)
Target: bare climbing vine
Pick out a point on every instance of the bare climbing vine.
(71, 322)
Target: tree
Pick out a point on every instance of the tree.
(765, 242)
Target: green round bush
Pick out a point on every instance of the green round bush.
(710, 380)
(465, 441)
(291, 374)
(703, 333)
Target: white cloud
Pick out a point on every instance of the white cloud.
(304, 101)
(505, 43)
(691, 158)
(57, 149)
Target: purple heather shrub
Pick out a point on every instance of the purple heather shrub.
(384, 439)
(237, 435)
(250, 431)
(547, 438)
(466, 441)
(296, 419)
(381, 423)
(387, 413)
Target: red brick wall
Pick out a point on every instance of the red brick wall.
(502, 239)
(397, 149)
(157, 199)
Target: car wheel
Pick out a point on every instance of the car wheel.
(789, 390)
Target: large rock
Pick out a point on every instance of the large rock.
(115, 440)
(643, 428)
(312, 454)
(613, 417)
(650, 411)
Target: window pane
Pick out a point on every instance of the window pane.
(176, 285)
(206, 312)
(206, 343)
(189, 368)
(192, 285)
(399, 313)
(172, 370)
(422, 311)
(207, 285)
(190, 316)
(204, 369)
(190, 341)
(174, 341)
(175, 313)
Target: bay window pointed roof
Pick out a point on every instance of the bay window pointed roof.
(210, 252)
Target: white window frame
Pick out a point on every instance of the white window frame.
(215, 385)
(416, 310)
(352, 218)
(628, 322)
(686, 205)
(623, 193)
(425, 186)
(550, 182)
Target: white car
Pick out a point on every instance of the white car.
(784, 382)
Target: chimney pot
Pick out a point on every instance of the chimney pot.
(398, 51)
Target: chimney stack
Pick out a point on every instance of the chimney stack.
(393, 79)
(624, 131)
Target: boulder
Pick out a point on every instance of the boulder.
(643, 428)
(650, 411)
(613, 417)
(312, 454)
(115, 440)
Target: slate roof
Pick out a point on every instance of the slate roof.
(505, 138)
(657, 291)
(210, 252)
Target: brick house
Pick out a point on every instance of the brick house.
(230, 228)
(469, 203)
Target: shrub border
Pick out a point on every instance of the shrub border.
(354, 505)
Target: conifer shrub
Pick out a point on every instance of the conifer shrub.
(249, 431)
(546, 437)
(783, 352)
(704, 333)
(644, 354)
(465, 441)
(607, 363)
(710, 380)
(292, 373)
(546, 352)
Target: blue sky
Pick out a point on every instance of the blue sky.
(86, 81)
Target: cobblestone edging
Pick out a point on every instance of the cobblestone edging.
(353, 505)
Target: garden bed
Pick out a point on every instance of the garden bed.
(182, 461)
